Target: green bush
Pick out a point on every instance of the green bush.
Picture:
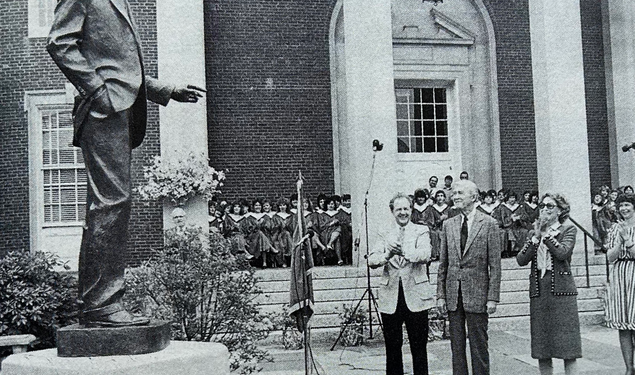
(206, 292)
(34, 297)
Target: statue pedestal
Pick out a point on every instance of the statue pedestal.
(181, 357)
(79, 341)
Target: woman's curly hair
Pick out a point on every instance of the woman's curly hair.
(562, 203)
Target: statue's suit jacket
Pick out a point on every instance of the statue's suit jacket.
(412, 269)
(95, 44)
(477, 271)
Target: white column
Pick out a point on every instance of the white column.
(181, 60)
(370, 101)
(621, 73)
(559, 100)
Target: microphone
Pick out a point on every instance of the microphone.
(377, 146)
(628, 147)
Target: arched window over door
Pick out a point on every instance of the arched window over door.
(446, 94)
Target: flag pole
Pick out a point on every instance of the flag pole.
(303, 259)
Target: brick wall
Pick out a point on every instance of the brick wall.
(268, 78)
(515, 93)
(25, 65)
(595, 89)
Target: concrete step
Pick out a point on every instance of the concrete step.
(511, 280)
(515, 296)
(596, 265)
(503, 310)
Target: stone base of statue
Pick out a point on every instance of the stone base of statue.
(181, 357)
(79, 341)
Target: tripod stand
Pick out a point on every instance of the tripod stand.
(372, 302)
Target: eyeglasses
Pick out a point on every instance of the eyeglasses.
(549, 206)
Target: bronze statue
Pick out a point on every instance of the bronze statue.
(97, 47)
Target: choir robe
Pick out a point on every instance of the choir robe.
(312, 223)
(433, 219)
(215, 224)
(330, 225)
(283, 237)
(346, 237)
(232, 230)
(487, 210)
(514, 229)
(529, 215)
(417, 216)
(253, 226)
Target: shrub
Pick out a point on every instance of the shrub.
(206, 292)
(291, 338)
(34, 297)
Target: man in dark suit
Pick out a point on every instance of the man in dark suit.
(405, 292)
(96, 45)
(468, 284)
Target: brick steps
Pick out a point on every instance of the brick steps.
(338, 286)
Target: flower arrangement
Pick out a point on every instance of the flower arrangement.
(181, 179)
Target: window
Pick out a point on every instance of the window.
(41, 17)
(64, 176)
(422, 120)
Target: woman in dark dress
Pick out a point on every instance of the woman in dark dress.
(555, 326)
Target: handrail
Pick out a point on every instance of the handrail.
(587, 234)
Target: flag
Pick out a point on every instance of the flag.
(301, 286)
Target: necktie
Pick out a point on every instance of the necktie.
(402, 232)
(463, 234)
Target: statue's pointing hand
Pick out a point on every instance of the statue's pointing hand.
(187, 94)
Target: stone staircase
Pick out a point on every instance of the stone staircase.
(338, 286)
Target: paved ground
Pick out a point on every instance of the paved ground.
(509, 355)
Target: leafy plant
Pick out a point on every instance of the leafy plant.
(352, 324)
(34, 297)
(181, 179)
(206, 292)
(291, 338)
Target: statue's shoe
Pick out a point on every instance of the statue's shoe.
(120, 318)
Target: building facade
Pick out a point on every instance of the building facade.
(522, 94)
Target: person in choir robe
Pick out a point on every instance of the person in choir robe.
(232, 230)
(604, 191)
(293, 199)
(320, 206)
(259, 244)
(432, 186)
(346, 238)
(512, 225)
(331, 231)
(489, 203)
(270, 229)
(312, 223)
(596, 206)
(434, 217)
(421, 202)
(447, 188)
(213, 220)
(283, 223)
(530, 211)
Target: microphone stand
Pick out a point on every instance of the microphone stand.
(372, 301)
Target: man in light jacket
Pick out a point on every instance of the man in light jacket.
(405, 293)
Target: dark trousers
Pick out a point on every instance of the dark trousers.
(476, 332)
(417, 328)
(106, 149)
